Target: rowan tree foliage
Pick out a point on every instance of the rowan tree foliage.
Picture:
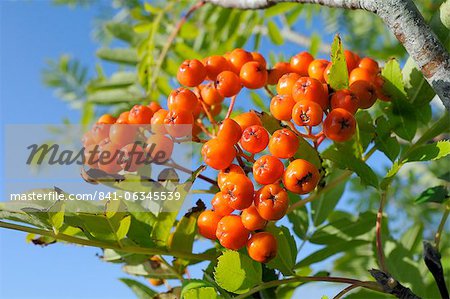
(390, 240)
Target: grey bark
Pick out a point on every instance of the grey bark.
(403, 19)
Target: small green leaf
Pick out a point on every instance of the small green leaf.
(206, 292)
(314, 47)
(237, 273)
(338, 76)
(119, 55)
(139, 289)
(287, 250)
(150, 269)
(300, 221)
(428, 152)
(274, 33)
(435, 194)
(280, 8)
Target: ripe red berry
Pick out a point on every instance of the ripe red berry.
(262, 247)
(207, 224)
(254, 139)
(267, 170)
(231, 232)
(307, 113)
(253, 75)
(191, 73)
(339, 125)
(301, 176)
(228, 84)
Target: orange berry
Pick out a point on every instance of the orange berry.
(220, 205)
(267, 170)
(182, 99)
(286, 83)
(159, 147)
(218, 154)
(259, 58)
(307, 113)
(106, 119)
(262, 247)
(369, 64)
(191, 73)
(301, 177)
(351, 59)
(272, 202)
(345, 99)
(179, 123)
(210, 95)
(365, 92)
(252, 220)
(154, 106)
(233, 168)
(214, 65)
(123, 118)
(231, 232)
(238, 191)
(360, 74)
(230, 131)
(228, 84)
(248, 119)
(300, 62)
(317, 68)
(207, 223)
(99, 132)
(310, 89)
(339, 125)
(281, 107)
(278, 70)
(122, 134)
(254, 139)
(237, 58)
(157, 121)
(283, 144)
(253, 75)
(140, 114)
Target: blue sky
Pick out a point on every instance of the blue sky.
(31, 32)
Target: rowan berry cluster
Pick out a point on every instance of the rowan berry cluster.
(120, 144)
(304, 97)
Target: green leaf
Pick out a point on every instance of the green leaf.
(237, 273)
(258, 101)
(434, 194)
(208, 292)
(190, 284)
(183, 237)
(338, 76)
(418, 90)
(384, 141)
(280, 8)
(401, 115)
(287, 250)
(412, 238)
(122, 31)
(428, 152)
(328, 251)
(139, 289)
(150, 269)
(56, 215)
(325, 204)
(117, 80)
(345, 160)
(115, 95)
(274, 33)
(119, 55)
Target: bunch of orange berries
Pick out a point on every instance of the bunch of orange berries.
(303, 98)
(119, 144)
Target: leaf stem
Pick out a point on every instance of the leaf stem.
(437, 236)
(345, 291)
(101, 244)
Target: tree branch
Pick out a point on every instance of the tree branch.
(392, 286)
(406, 23)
